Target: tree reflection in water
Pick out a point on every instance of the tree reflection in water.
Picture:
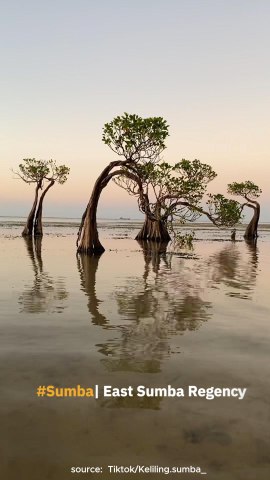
(151, 309)
(236, 269)
(87, 266)
(168, 299)
(45, 294)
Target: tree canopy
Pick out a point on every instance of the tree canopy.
(135, 138)
(179, 192)
(223, 211)
(249, 190)
(32, 170)
(38, 171)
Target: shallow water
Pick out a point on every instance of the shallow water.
(135, 316)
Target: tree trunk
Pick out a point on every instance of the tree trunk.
(28, 229)
(38, 231)
(88, 240)
(154, 230)
(251, 232)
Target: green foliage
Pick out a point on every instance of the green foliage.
(184, 240)
(58, 173)
(184, 180)
(32, 170)
(177, 193)
(224, 212)
(38, 171)
(247, 189)
(195, 171)
(166, 192)
(136, 138)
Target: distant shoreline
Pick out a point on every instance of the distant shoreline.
(9, 221)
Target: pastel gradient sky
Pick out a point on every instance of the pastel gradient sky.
(69, 66)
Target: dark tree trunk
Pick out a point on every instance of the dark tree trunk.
(38, 231)
(88, 240)
(28, 229)
(251, 232)
(154, 230)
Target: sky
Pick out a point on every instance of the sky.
(69, 66)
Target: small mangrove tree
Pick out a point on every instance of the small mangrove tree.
(43, 174)
(250, 192)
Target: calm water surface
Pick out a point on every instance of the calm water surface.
(135, 316)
